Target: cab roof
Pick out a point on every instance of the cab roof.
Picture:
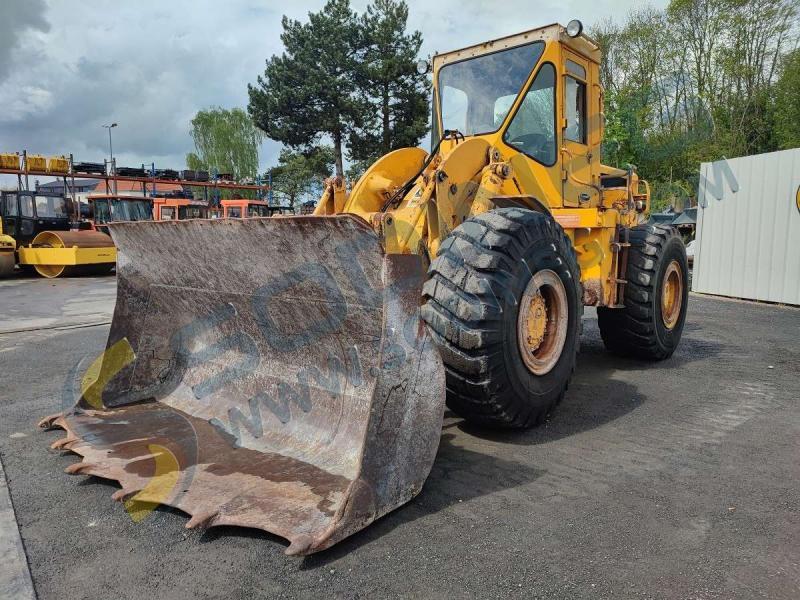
(235, 201)
(549, 33)
(115, 197)
(180, 201)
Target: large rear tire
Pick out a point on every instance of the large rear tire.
(503, 302)
(655, 300)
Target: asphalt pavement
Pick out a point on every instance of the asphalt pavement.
(670, 480)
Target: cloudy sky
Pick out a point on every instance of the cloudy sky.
(67, 68)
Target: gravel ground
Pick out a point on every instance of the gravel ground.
(669, 480)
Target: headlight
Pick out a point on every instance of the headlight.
(574, 28)
(423, 66)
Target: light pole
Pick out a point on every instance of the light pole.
(111, 167)
(110, 149)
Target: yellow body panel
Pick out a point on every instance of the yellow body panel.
(66, 256)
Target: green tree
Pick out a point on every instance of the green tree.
(701, 80)
(787, 103)
(309, 90)
(395, 95)
(225, 140)
(299, 174)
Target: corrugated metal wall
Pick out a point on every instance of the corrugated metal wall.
(748, 233)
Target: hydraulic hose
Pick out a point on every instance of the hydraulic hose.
(395, 198)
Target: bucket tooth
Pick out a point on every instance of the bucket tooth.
(78, 468)
(50, 421)
(299, 546)
(123, 494)
(202, 520)
(63, 443)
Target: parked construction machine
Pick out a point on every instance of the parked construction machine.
(245, 208)
(298, 385)
(111, 208)
(178, 209)
(40, 226)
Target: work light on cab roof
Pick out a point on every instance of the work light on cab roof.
(574, 28)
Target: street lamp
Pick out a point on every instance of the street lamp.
(110, 149)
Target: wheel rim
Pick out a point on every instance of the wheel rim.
(672, 295)
(542, 322)
(49, 271)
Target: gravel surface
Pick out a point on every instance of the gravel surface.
(669, 480)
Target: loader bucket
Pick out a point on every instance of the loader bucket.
(269, 373)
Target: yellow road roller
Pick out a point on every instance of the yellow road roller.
(39, 223)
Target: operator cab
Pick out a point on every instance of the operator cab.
(241, 208)
(27, 213)
(110, 208)
(179, 209)
(537, 95)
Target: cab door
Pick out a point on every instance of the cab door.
(9, 212)
(580, 148)
(26, 219)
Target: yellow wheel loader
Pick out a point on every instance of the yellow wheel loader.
(290, 374)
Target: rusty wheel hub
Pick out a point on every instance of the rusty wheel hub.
(542, 322)
(672, 295)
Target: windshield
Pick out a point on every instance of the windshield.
(101, 213)
(257, 210)
(190, 212)
(125, 210)
(139, 210)
(476, 94)
(51, 206)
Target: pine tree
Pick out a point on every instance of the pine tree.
(395, 95)
(309, 91)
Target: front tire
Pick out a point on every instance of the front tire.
(503, 302)
(655, 300)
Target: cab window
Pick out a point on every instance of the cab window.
(533, 128)
(235, 212)
(51, 207)
(26, 206)
(10, 205)
(575, 106)
(140, 210)
(477, 93)
(101, 211)
(190, 212)
(167, 213)
(256, 210)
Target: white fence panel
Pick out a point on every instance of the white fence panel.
(748, 228)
